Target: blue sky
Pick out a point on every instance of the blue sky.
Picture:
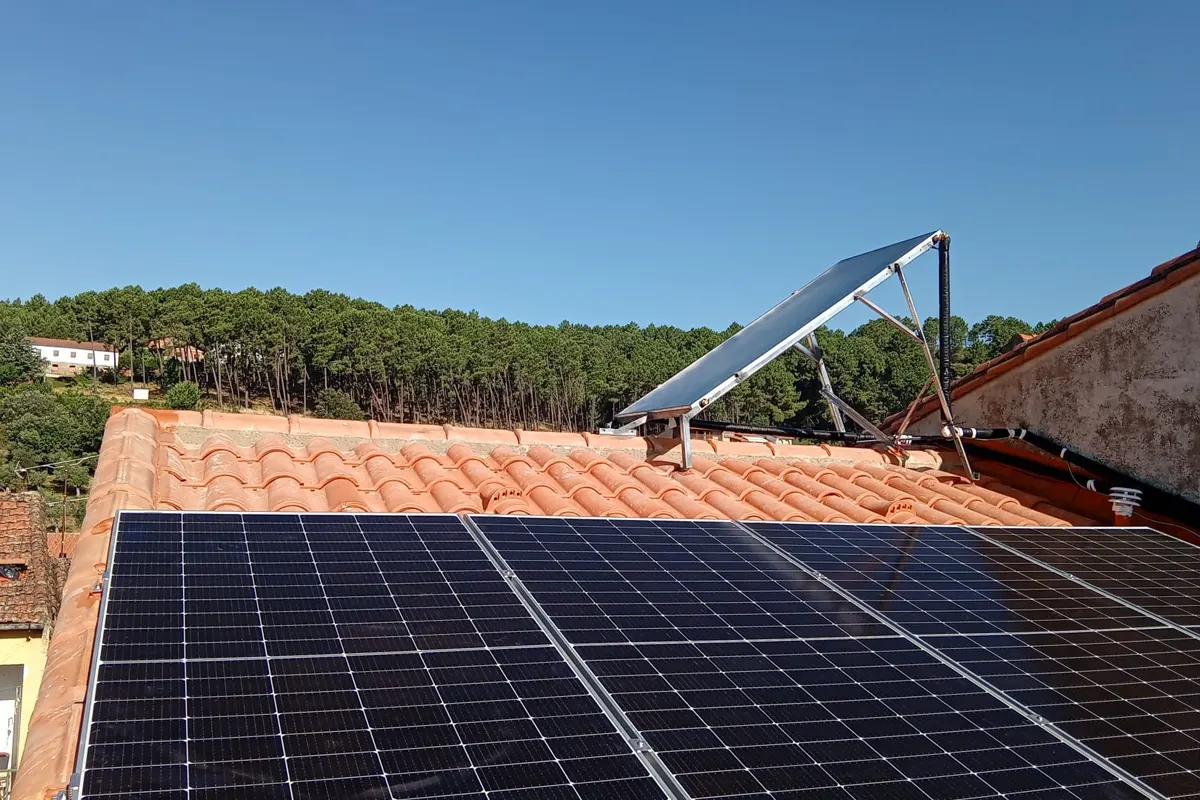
(683, 163)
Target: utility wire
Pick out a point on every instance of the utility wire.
(58, 463)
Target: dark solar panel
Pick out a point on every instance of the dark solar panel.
(276, 656)
(1132, 696)
(944, 580)
(835, 718)
(681, 622)
(635, 580)
(1151, 569)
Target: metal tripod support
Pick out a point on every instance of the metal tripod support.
(838, 407)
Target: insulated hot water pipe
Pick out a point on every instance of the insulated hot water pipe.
(944, 313)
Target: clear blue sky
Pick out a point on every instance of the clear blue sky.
(686, 162)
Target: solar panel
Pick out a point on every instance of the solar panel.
(752, 680)
(835, 718)
(1133, 696)
(331, 656)
(1143, 566)
(945, 580)
(751, 348)
(635, 580)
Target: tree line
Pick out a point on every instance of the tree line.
(322, 352)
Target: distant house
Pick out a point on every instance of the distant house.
(65, 357)
(168, 347)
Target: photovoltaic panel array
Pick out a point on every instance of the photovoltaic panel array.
(751, 679)
(331, 656)
(1151, 569)
(1116, 680)
(946, 580)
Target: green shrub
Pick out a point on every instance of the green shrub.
(183, 395)
(335, 404)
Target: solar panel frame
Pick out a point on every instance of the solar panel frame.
(586, 765)
(754, 346)
(1142, 566)
(948, 581)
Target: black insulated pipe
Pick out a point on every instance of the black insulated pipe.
(944, 312)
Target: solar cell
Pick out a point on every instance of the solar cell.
(635, 580)
(945, 580)
(867, 718)
(1131, 695)
(1151, 569)
(278, 656)
(798, 315)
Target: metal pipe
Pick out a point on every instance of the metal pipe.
(943, 395)
(839, 421)
(851, 412)
(897, 323)
(944, 323)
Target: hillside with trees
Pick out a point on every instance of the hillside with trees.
(331, 355)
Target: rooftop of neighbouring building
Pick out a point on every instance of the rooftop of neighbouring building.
(30, 578)
(45, 342)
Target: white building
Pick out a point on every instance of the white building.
(66, 357)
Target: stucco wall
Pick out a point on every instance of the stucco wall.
(1125, 392)
(27, 648)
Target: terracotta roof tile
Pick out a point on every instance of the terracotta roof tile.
(31, 600)
(211, 461)
(1161, 278)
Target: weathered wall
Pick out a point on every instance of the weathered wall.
(1125, 392)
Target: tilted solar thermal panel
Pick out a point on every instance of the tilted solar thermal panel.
(1131, 695)
(1151, 569)
(801, 313)
(835, 719)
(944, 580)
(686, 624)
(329, 656)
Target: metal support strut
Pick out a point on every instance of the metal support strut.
(813, 352)
(937, 384)
(685, 440)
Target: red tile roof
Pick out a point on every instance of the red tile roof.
(215, 461)
(31, 600)
(1160, 279)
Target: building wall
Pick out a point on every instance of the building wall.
(61, 362)
(1125, 392)
(27, 648)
